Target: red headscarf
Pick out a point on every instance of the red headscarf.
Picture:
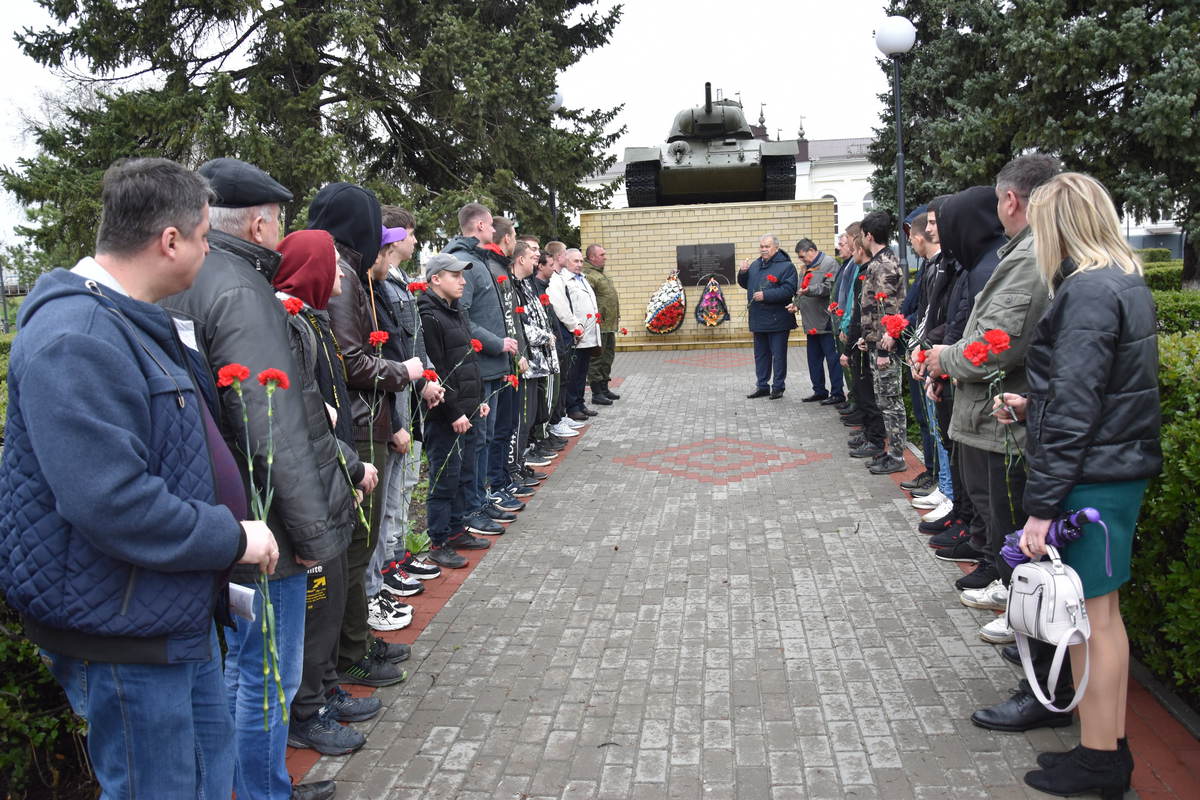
(307, 268)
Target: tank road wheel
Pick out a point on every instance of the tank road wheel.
(779, 178)
(641, 183)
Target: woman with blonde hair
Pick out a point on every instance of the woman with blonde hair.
(1093, 417)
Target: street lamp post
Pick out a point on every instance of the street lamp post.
(554, 102)
(894, 38)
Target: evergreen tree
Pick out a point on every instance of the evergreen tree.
(430, 103)
(1112, 87)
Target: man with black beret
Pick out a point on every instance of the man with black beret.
(230, 315)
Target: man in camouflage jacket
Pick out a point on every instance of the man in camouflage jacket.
(882, 294)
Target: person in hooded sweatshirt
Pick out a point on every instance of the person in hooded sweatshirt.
(306, 278)
(971, 236)
(231, 315)
(352, 215)
(120, 506)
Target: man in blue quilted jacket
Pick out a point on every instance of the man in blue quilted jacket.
(119, 500)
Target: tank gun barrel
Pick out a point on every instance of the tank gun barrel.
(707, 97)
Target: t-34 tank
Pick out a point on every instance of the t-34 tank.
(711, 156)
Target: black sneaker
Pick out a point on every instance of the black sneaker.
(344, 707)
(600, 399)
(372, 672)
(465, 541)
(481, 523)
(322, 733)
(984, 574)
(519, 490)
(866, 451)
(591, 412)
(555, 443)
(949, 537)
(533, 459)
(611, 394)
(887, 465)
(445, 555)
(398, 582)
(534, 475)
(922, 491)
(854, 420)
(963, 552)
(505, 502)
(919, 482)
(496, 515)
(856, 441)
(419, 568)
(391, 652)
(939, 525)
(848, 410)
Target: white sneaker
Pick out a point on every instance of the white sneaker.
(993, 597)
(997, 631)
(931, 500)
(941, 511)
(563, 431)
(574, 423)
(386, 614)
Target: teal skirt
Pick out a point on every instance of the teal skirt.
(1118, 504)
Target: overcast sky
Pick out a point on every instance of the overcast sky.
(804, 57)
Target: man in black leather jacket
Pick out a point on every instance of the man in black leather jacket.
(235, 317)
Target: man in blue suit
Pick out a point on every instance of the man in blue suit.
(770, 283)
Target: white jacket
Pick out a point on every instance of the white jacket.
(574, 303)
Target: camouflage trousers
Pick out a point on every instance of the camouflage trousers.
(889, 396)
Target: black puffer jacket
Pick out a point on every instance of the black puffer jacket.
(1093, 414)
(448, 342)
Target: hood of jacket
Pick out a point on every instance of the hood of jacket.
(353, 216)
(61, 283)
(467, 248)
(968, 226)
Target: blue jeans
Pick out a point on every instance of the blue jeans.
(262, 773)
(770, 358)
(945, 479)
(507, 410)
(451, 476)
(485, 431)
(916, 390)
(822, 355)
(154, 730)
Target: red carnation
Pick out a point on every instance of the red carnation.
(418, 286)
(862, 277)
(578, 331)
(812, 331)
(624, 331)
(807, 278)
(828, 274)
(833, 306)
(232, 373)
(894, 324)
(501, 278)
(589, 316)
(294, 305)
(511, 380)
(477, 345)
(544, 299)
(880, 297)
(976, 353)
(840, 313)
(519, 309)
(772, 279)
(921, 356)
(430, 375)
(997, 340)
(597, 318)
(273, 376)
(377, 338)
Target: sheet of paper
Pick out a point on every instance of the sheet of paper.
(241, 601)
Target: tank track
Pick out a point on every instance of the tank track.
(779, 178)
(641, 184)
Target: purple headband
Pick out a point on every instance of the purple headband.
(391, 235)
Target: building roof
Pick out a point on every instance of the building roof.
(819, 149)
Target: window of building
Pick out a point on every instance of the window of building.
(836, 229)
(868, 203)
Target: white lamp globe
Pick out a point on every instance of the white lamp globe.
(555, 102)
(895, 36)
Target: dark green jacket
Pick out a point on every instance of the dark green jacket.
(607, 301)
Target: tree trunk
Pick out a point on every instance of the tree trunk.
(1191, 263)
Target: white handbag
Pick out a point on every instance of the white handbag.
(1045, 601)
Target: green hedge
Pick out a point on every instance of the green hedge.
(1178, 311)
(1165, 276)
(1161, 605)
(1154, 255)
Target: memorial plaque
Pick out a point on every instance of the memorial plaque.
(699, 262)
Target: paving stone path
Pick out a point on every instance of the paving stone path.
(707, 599)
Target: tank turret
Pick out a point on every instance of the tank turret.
(711, 156)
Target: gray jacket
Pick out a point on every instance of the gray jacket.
(484, 307)
(1013, 300)
(236, 318)
(813, 302)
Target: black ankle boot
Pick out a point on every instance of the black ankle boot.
(1084, 770)
(1052, 760)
